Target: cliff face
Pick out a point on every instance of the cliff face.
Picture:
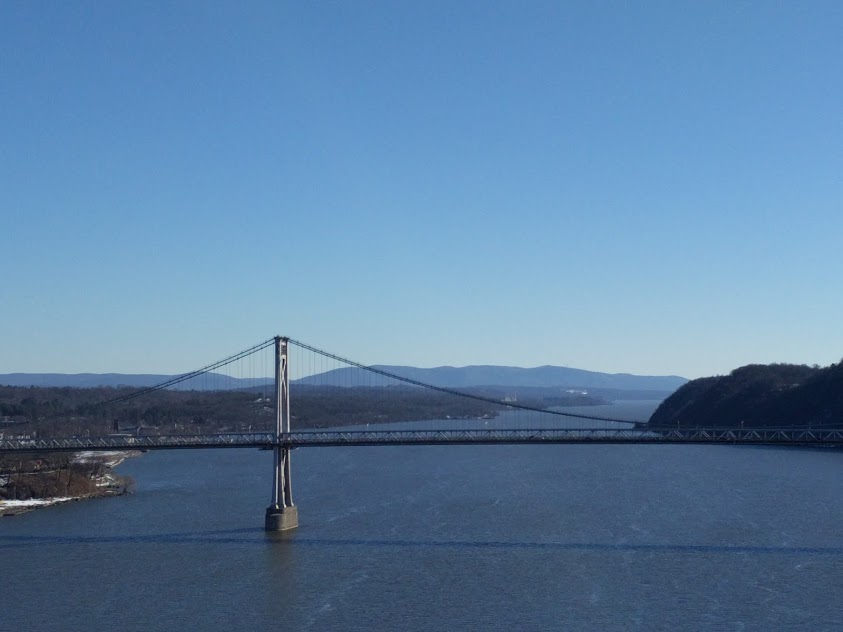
(758, 396)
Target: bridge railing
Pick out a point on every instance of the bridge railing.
(325, 438)
(563, 435)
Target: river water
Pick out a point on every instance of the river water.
(559, 537)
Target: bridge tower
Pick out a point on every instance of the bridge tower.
(282, 514)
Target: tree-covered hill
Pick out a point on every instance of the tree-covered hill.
(758, 395)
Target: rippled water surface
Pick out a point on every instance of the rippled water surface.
(444, 538)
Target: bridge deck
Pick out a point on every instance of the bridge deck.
(327, 438)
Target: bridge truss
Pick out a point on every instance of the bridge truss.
(338, 438)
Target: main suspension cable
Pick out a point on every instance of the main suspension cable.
(450, 391)
(186, 376)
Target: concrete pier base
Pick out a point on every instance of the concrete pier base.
(281, 518)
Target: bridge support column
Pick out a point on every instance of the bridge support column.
(281, 514)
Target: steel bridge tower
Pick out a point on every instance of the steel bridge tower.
(282, 514)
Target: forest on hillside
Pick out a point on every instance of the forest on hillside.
(758, 396)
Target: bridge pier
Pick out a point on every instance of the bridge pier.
(281, 514)
(287, 518)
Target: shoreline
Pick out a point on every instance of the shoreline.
(108, 484)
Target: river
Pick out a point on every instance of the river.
(564, 537)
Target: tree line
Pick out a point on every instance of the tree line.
(67, 411)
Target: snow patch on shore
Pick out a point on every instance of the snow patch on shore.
(90, 455)
(111, 458)
(32, 502)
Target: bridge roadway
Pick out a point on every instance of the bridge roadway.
(327, 438)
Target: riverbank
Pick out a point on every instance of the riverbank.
(95, 478)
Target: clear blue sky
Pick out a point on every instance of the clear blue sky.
(651, 187)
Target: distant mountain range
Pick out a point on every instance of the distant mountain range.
(210, 381)
(489, 375)
(446, 376)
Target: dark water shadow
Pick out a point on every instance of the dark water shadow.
(258, 537)
(790, 448)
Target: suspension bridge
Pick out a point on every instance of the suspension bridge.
(372, 411)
